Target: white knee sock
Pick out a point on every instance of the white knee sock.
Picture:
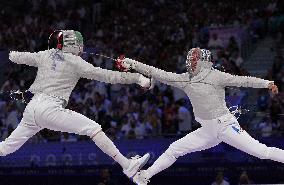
(107, 146)
(1, 153)
(276, 154)
(162, 163)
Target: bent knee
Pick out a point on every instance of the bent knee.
(174, 152)
(91, 130)
(94, 131)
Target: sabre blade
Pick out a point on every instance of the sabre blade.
(104, 56)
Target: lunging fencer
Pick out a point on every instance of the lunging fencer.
(205, 87)
(59, 70)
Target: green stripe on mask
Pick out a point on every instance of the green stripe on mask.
(79, 38)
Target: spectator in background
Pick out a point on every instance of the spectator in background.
(266, 127)
(3, 130)
(244, 179)
(215, 44)
(279, 78)
(155, 122)
(219, 180)
(141, 128)
(170, 120)
(106, 178)
(262, 100)
(275, 109)
(126, 127)
(184, 118)
(232, 46)
(132, 128)
(236, 59)
(12, 119)
(277, 65)
(96, 13)
(281, 126)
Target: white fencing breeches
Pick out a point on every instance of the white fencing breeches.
(226, 129)
(47, 112)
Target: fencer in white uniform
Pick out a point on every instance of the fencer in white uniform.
(58, 72)
(205, 87)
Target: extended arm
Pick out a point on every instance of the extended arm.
(96, 73)
(24, 58)
(226, 79)
(169, 78)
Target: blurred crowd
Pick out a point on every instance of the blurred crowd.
(150, 32)
(221, 178)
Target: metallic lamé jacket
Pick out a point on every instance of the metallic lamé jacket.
(59, 72)
(206, 89)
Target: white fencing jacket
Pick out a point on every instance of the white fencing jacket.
(58, 72)
(206, 89)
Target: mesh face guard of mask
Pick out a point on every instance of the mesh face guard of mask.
(69, 41)
(194, 55)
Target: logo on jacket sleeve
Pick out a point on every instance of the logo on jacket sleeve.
(237, 128)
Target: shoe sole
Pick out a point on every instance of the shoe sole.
(140, 167)
(143, 164)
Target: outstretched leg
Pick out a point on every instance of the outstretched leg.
(198, 140)
(25, 130)
(18, 137)
(240, 139)
(56, 118)
(107, 146)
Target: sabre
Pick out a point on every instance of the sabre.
(104, 56)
